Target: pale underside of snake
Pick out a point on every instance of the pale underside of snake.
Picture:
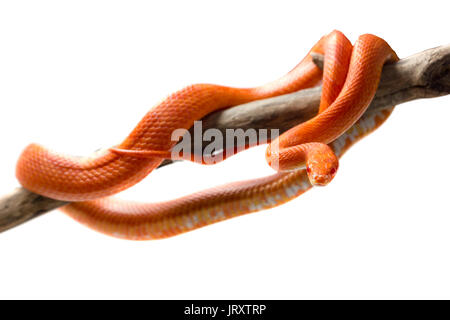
(304, 156)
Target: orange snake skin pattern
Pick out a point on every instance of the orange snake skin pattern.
(304, 156)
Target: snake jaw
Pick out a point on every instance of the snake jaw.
(320, 180)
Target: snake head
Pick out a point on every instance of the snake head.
(318, 158)
(321, 165)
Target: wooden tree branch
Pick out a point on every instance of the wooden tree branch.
(423, 75)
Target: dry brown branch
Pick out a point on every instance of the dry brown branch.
(423, 75)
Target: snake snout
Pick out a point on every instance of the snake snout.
(320, 179)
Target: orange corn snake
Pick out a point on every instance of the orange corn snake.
(307, 154)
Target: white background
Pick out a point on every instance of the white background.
(78, 75)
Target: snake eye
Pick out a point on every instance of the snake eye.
(308, 169)
(333, 171)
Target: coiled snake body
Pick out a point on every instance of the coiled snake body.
(303, 156)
